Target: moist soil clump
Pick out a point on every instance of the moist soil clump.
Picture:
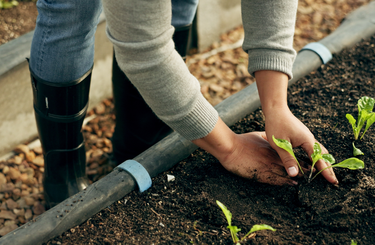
(184, 211)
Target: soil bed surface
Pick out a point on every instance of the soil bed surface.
(184, 211)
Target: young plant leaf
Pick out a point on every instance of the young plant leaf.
(365, 115)
(228, 215)
(350, 163)
(258, 228)
(234, 229)
(370, 121)
(286, 145)
(353, 122)
(356, 151)
(317, 155)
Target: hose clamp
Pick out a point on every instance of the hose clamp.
(321, 50)
(138, 172)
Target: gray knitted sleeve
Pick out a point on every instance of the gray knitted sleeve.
(141, 32)
(269, 29)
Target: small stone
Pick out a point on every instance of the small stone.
(18, 159)
(3, 180)
(14, 173)
(216, 88)
(39, 161)
(6, 214)
(22, 203)
(8, 187)
(22, 149)
(94, 165)
(19, 212)
(5, 170)
(38, 150)
(30, 201)
(25, 193)
(100, 109)
(30, 156)
(21, 219)
(3, 206)
(107, 142)
(38, 208)
(9, 222)
(35, 190)
(11, 204)
(6, 229)
(97, 153)
(170, 177)
(28, 214)
(17, 192)
(92, 172)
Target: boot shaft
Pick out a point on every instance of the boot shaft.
(59, 111)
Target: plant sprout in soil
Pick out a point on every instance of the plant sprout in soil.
(365, 115)
(317, 155)
(234, 229)
(350, 163)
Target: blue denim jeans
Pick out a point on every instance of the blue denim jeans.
(62, 49)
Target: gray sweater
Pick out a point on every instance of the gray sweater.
(141, 33)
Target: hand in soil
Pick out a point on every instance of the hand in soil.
(284, 125)
(254, 158)
(247, 155)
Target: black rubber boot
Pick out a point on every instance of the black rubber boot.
(59, 112)
(137, 127)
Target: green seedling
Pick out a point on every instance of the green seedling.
(356, 151)
(365, 115)
(353, 242)
(234, 229)
(350, 163)
(317, 155)
(286, 145)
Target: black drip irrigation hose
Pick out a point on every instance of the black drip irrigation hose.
(75, 210)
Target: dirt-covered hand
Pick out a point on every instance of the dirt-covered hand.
(284, 125)
(254, 158)
(247, 155)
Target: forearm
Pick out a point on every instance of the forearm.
(219, 142)
(272, 88)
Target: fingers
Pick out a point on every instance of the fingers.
(290, 164)
(328, 174)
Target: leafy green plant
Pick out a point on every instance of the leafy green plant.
(317, 155)
(7, 4)
(286, 145)
(350, 163)
(234, 229)
(356, 151)
(365, 115)
(353, 242)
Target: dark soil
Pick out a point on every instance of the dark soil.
(184, 211)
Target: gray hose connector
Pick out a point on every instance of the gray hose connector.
(165, 154)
